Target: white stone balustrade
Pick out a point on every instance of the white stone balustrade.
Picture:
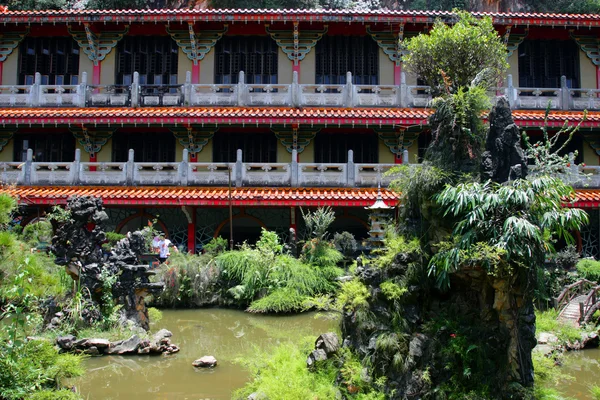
(280, 95)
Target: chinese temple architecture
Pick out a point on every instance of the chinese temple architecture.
(161, 112)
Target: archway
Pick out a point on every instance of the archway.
(140, 221)
(245, 228)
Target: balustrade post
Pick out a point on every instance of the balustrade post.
(581, 311)
(295, 90)
(402, 93)
(187, 89)
(405, 159)
(27, 167)
(294, 168)
(350, 170)
(130, 168)
(565, 94)
(241, 90)
(183, 169)
(349, 95)
(76, 168)
(239, 168)
(82, 91)
(35, 92)
(511, 92)
(135, 90)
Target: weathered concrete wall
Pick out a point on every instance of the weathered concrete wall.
(284, 68)
(207, 68)
(308, 68)
(587, 71)
(513, 69)
(386, 69)
(10, 71)
(385, 155)
(184, 64)
(107, 72)
(589, 155)
(7, 152)
(105, 155)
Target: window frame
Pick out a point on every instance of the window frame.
(256, 55)
(43, 55)
(150, 147)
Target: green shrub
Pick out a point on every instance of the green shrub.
(392, 291)
(8, 205)
(281, 374)
(111, 240)
(216, 246)
(595, 392)
(47, 394)
(38, 232)
(154, 314)
(547, 321)
(589, 269)
(353, 295)
(279, 301)
(396, 244)
(37, 367)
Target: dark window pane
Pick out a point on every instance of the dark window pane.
(543, 62)
(333, 147)
(147, 147)
(155, 58)
(337, 55)
(256, 147)
(51, 147)
(255, 55)
(51, 57)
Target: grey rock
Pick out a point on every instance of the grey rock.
(92, 351)
(99, 343)
(547, 338)
(65, 342)
(315, 357)
(128, 346)
(257, 396)
(328, 342)
(205, 362)
(415, 348)
(161, 337)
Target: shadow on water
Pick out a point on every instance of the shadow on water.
(225, 334)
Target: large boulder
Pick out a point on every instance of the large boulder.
(129, 346)
(328, 342)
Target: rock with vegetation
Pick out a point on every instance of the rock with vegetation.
(116, 280)
(205, 362)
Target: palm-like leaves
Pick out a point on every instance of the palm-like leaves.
(516, 222)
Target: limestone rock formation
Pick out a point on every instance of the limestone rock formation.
(205, 362)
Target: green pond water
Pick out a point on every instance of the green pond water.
(584, 367)
(224, 334)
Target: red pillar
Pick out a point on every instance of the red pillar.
(196, 72)
(397, 73)
(93, 158)
(193, 157)
(1, 65)
(597, 75)
(296, 68)
(96, 73)
(191, 242)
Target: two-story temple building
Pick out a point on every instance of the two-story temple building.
(159, 112)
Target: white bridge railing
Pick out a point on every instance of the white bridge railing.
(243, 94)
(184, 173)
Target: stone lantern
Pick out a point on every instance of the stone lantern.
(379, 216)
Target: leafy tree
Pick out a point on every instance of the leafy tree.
(505, 227)
(451, 57)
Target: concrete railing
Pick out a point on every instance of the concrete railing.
(243, 94)
(184, 173)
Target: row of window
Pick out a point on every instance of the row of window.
(541, 62)
(160, 147)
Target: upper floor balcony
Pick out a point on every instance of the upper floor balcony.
(295, 95)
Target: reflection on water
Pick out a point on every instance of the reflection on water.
(225, 334)
(584, 367)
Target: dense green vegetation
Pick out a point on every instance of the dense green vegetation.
(263, 278)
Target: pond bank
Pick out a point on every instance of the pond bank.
(223, 333)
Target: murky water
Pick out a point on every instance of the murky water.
(584, 367)
(225, 334)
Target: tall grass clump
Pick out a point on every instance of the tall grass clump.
(270, 281)
(547, 321)
(589, 269)
(190, 281)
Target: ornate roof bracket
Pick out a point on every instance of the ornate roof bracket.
(97, 45)
(397, 138)
(5, 136)
(391, 43)
(10, 41)
(590, 45)
(296, 44)
(513, 40)
(295, 138)
(196, 45)
(193, 138)
(92, 140)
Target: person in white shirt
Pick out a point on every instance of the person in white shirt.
(164, 246)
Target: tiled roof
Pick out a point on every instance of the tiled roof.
(228, 15)
(259, 116)
(202, 196)
(587, 198)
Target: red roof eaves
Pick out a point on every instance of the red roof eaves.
(360, 117)
(258, 15)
